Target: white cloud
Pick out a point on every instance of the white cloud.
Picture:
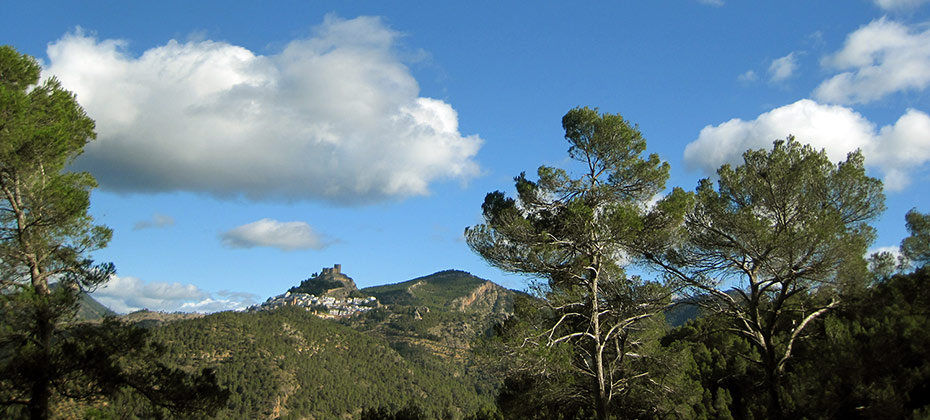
(336, 117)
(748, 76)
(158, 221)
(717, 3)
(128, 294)
(287, 236)
(782, 68)
(895, 149)
(880, 58)
(899, 5)
(893, 250)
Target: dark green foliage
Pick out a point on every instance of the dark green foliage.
(790, 229)
(316, 286)
(867, 359)
(410, 412)
(729, 382)
(871, 358)
(541, 383)
(112, 359)
(328, 283)
(916, 247)
(289, 363)
(523, 396)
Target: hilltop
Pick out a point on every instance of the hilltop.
(446, 290)
(330, 282)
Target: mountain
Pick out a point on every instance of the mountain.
(414, 348)
(89, 309)
(690, 307)
(439, 314)
(446, 290)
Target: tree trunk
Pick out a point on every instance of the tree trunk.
(44, 324)
(773, 381)
(602, 400)
(40, 392)
(777, 412)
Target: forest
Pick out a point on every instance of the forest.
(751, 297)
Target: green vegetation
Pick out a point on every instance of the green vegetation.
(916, 247)
(45, 231)
(866, 359)
(47, 361)
(288, 363)
(436, 316)
(317, 285)
(790, 228)
(786, 321)
(571, 231)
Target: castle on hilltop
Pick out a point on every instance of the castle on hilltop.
(330, 282)
(337, 269)
(330, 294)
(333, 276)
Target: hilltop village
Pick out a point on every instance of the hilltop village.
(329, 294)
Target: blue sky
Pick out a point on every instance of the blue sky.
(244, 146)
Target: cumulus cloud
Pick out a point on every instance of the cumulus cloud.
(879, 59)
(128, 294)
(895, 149)
(782, 68)
(158, 221)
(287, 236)
(336, 117)
(899, 5)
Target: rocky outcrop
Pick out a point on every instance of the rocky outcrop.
(486, 298)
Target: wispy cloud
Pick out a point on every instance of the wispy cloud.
(783, 68)
(129, 294)
(716, 3)
(900, 5)
(896, 149)
(748, 77)
(880, 58)
(158, 221)
(335, 117)
(287, 236)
